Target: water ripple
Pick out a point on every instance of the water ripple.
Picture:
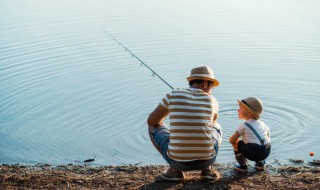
(69, 92)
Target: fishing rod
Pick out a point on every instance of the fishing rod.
(133, 55)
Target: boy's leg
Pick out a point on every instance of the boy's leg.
(242, 161)
(260, 165)
(238, 153)
(240, 158)
(256, 153)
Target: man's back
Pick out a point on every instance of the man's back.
(191, 115)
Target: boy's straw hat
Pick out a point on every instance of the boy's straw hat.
(253, 104)
(203, 73)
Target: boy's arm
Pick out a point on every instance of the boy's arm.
(234, 140)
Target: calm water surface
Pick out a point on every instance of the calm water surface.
(68, 92)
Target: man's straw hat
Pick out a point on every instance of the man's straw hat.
(203, 73)
(253, 104)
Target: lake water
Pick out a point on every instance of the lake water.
(68, 92)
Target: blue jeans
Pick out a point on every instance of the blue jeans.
(161, 136)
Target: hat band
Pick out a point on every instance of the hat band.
(202, 75)
(246, 104)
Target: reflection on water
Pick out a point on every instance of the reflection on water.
(68, 92)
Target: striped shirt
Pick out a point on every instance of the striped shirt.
(191, 114)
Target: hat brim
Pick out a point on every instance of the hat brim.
(249, 109)
(215, 81)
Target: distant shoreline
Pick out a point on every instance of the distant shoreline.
(70, 176)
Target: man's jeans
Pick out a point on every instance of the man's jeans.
(161, 136)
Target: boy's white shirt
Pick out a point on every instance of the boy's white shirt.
(248, 135)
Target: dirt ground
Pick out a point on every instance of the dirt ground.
(297, 175)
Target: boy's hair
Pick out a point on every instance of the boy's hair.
(250, 112)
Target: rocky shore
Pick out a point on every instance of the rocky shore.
(298, 175)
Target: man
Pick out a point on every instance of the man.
(194, 137)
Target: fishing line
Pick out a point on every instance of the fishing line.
(133, 55)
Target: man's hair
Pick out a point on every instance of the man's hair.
(195, 81)
(198, 81)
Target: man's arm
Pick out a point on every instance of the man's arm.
(215, 117)
(158, 115)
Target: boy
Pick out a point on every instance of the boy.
(255, 143)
